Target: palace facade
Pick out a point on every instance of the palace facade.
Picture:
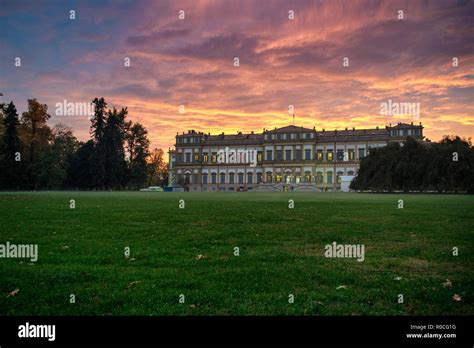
(288, 158)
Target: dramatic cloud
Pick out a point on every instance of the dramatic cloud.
(283, 61)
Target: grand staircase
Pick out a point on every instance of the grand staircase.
(301, 187)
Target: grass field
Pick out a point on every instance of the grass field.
(81, 251)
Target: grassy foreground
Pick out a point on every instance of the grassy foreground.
(190, 251)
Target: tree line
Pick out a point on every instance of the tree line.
(446, 166)
(35, 156)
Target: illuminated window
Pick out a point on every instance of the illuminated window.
(320, 155)
(196, 157)
(329, 155)
(259, 156)
(214, 157)
(205, 157)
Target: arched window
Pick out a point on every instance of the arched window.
(329, 177)
(222, 179)
(204, 178)
(249, 178)
(241, 178)
(214, 178)
(269, 177)
(319, 177)
(231, 178)
(338, 176)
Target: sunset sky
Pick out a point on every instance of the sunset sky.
(283, 61)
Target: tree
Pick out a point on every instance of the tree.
(35, 135)
(58, 157)
(138, 150)
(157, 168)
(98, 124)
(10, 148)
(415, 166)
(114, 137)
(79, 168)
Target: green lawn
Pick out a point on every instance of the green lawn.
(81, 251)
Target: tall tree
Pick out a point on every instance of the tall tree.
(138, 151)
(57, 157)
(157, 168)
(10, 148)
(114, 137)
(35, 136)
(98, 124)
(79, 168)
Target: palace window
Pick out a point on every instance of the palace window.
(249, 178)
(213, 178)
(204, 178)
(195, 179)
(340, 155)
(214, 157)
(287, 155)
(361, 153)
(188, 157)
(278, 155)
(241, 178)
(329, 155)
(222, 178)
(298, 155)
(278, 178)
(269, 155)
(259, 156)
(196, 157)
(320, 155)
(319, 178)
(329, 177)
(259, 178)
(231, 178)
(269, 177)
(307, 154)
(351, 154)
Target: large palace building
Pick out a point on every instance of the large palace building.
(289, 158)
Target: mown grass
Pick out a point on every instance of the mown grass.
(81, 252)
